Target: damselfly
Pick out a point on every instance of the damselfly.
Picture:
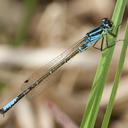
(90, 39)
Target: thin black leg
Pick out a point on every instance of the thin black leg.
(102, 44)
(96, 47)
(107, 44)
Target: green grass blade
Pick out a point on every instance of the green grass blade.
(90, 115)
(116, 81)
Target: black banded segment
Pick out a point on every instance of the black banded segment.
(96, 31)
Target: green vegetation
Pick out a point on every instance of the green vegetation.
(92, 109)
(116, 81)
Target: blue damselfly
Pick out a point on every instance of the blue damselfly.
(89, 40)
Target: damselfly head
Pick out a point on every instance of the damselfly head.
(106, 23)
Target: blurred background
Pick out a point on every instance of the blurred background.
(33, 32)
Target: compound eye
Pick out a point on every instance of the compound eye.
(110, 24)
(103, 20)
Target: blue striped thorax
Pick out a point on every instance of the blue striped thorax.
(98, 33)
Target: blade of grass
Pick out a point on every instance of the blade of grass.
(23, 30)
(90, 115)
(116, 81)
